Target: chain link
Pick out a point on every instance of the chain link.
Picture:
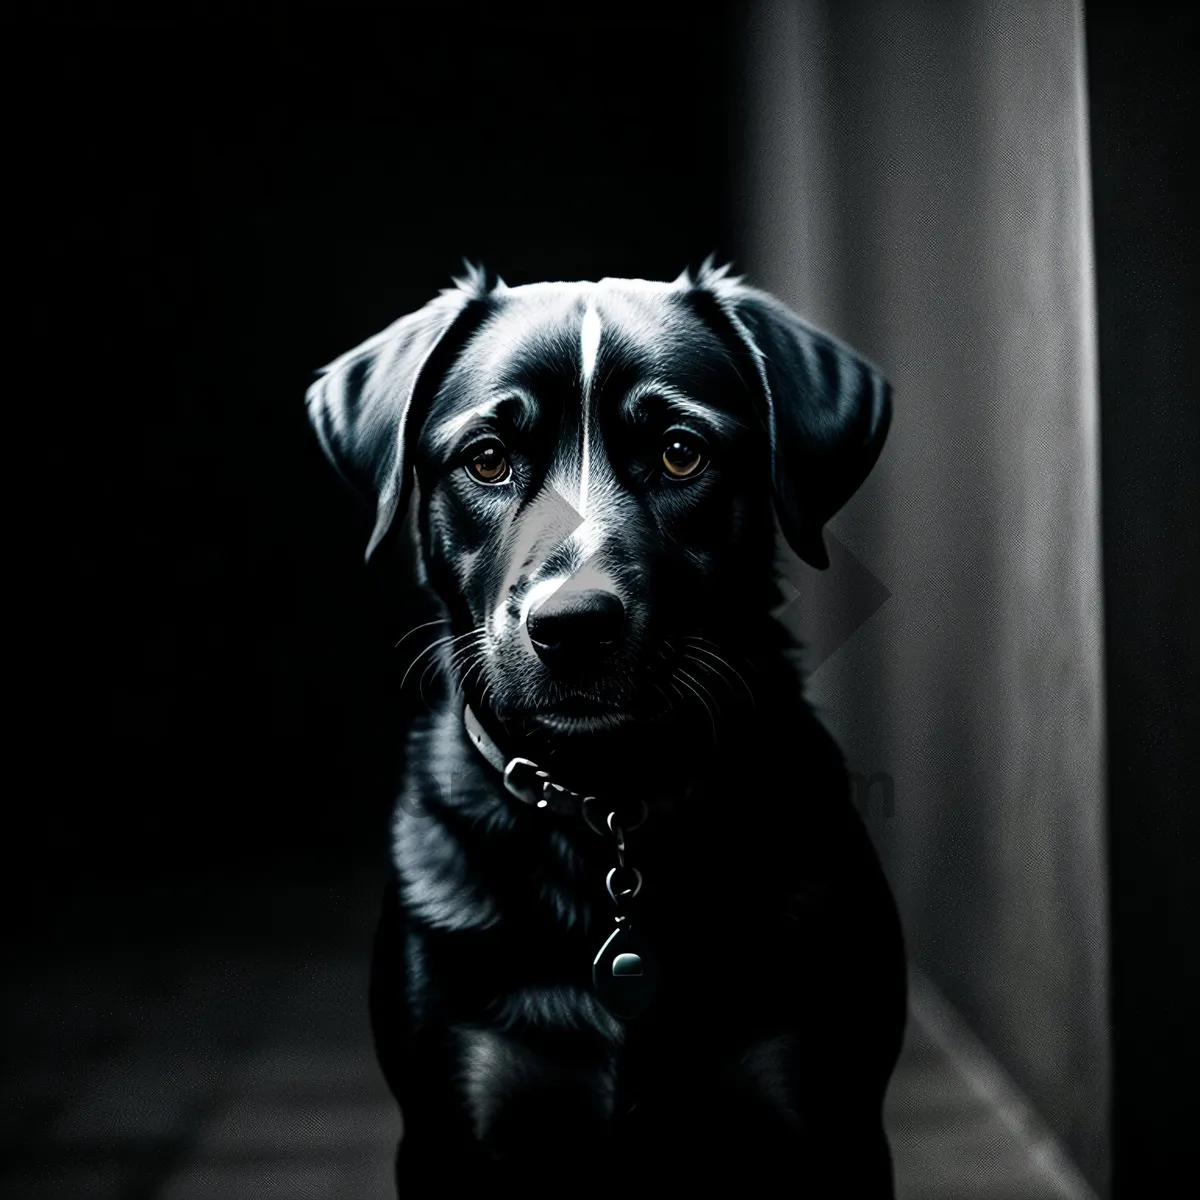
(623, 881)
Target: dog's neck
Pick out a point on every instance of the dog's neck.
(645, 765)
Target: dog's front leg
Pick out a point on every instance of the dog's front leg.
(532, 1093)
(531, 1107)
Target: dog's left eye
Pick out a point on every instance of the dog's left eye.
(684, 457)
(488, 462)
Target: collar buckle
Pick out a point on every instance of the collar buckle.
(525, 780)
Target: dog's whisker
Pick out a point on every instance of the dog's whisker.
(417, 628)
(433, 646)
(462, 663)
(461, 655)
(709, 669)
(468, 645)
(707, 709)
(700, 640)
(703, 642)
(439, 644)
(462, 641)
(478, 663)
(704, 692)
(690, 656)
(430, 666)
(694, 645)
(434, 664)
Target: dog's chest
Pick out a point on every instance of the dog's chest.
(509, 927)
(505, 923)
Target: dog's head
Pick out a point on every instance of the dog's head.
(595, 467)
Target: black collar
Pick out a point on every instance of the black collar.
(534, 786)
(523, 778)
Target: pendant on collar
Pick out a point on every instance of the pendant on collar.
(625, 973)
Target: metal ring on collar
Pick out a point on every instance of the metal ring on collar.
(617, 831)
(625, 893)
(596, 813)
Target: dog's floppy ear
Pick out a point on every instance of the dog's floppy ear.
(827, 409)
(361, 402)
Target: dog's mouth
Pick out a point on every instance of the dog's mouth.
(577, 712)
(581, 715)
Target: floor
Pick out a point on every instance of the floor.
(221, 1056)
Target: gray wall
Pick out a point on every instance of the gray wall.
(917, 183)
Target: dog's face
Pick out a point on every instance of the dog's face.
(592, 474)
(596, 466)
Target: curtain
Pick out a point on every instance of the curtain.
(917, 183)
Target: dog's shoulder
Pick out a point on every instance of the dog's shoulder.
(462, 859)
(432, 868)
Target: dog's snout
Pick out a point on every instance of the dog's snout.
(576, 626)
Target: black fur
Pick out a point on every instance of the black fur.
(765, 1058)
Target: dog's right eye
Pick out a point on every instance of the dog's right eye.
(683, 457)
(488, 462)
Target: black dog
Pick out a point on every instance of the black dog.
(637, 934)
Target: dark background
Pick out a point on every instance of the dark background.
(220, 202)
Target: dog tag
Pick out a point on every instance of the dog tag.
(625, 974)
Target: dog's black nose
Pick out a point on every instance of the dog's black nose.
(576, 627)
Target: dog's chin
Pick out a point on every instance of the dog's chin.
(580, 717)
(599, 747)
(574, 724)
